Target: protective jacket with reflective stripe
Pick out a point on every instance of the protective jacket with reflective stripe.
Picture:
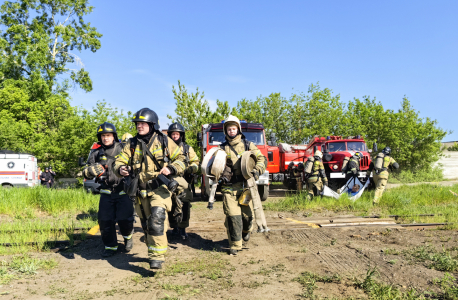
(172, 151)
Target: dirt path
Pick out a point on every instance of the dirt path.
(200, 269)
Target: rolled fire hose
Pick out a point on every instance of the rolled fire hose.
(248, 164)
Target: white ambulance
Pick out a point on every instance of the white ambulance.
(18, 169)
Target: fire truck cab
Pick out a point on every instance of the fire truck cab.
(212, 135)
(334, 149)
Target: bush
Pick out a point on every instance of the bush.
(453, 148)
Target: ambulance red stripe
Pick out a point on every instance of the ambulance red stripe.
(12, 172)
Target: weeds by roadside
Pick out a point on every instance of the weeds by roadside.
(22, 266)
(441, 261)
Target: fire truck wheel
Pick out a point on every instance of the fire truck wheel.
(7, 186)
(263, 192)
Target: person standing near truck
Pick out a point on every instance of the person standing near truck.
(46, 178)
(177, 133)
(52, 175)
(383, 162)
(239, 217)
(317, 177)
(147, 159)
(114, 206)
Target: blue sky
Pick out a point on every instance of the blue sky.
(242, 49)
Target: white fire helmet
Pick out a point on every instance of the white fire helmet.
(231, 120)
(319, 154)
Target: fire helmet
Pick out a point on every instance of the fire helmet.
(126, 136)
(231, 120)
(106, 128)
(176, 127)
(386, 150)
(318, 154)
(359, 155)
(147, 115)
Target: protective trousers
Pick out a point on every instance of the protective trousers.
(115, 208)
(186, 208)
(380, 185)
(239, 218)
(314, 187)
(185, 195)
(156, 205)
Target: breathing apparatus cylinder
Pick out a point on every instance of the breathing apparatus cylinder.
(309, 165)
(379, 161)
(345, 163)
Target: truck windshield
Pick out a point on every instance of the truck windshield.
(351, 146)
(356, 146)
(337, 146)
(217, 137)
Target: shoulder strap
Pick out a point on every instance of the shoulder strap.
(133, 144)
(186, 149)
(247, 144)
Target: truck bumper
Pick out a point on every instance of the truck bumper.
(263, 179)
(340, 175)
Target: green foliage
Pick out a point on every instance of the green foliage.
(453, 148)
(192, 111)
(415, 142)
(38, 38)
(18, 202)
(37, 64)
(448, 286)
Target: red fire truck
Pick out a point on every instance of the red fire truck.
(212, 135)
(334, 148)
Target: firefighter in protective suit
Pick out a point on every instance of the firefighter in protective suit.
(383, 162)
(351, 170)
(150, 157)
(317, 177)
(115, 205)
(177, 133)
(239, 218)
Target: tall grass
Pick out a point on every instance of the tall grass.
(29, 201)
(407, 201)
(37, 217)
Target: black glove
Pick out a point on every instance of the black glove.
(210, 206)
(368, 175)
(255, 173)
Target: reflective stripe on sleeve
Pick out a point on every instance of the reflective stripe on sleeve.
(180, 164)
(123, 158)
(127, 237)
(105, 192)
(175, 153)
(122, 193)
(111, 248)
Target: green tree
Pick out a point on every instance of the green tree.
(37, 65)
(192, 111)
(38, 39)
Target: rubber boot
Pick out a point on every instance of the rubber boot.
(155, 264)
(183, 233)
(232, 252)
(129, 244)
(108, 253)
(246, 236)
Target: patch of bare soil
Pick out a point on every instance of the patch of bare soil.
(199, 268)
